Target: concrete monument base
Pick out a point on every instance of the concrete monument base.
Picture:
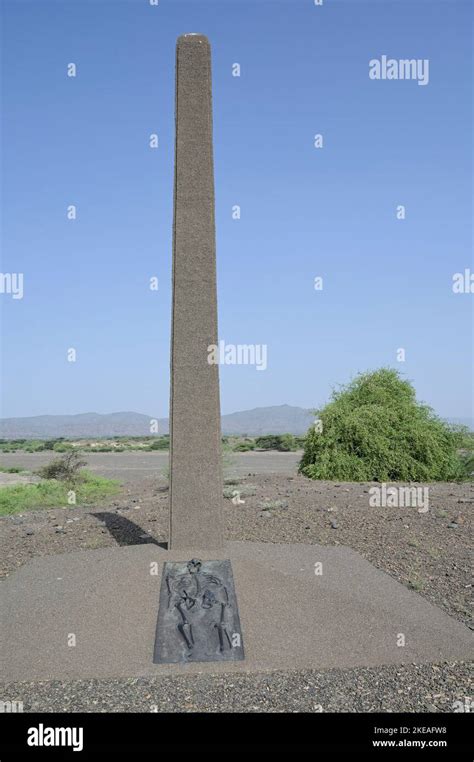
(93, 613)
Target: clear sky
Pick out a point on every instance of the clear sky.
(305, 212)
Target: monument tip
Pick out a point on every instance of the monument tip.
(193, 38)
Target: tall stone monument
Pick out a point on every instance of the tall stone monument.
(195, 446)
(198, 617)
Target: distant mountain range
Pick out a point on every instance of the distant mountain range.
(279, 419)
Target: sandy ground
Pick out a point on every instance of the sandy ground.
(428, 552)
(132, 467)
(7, 480)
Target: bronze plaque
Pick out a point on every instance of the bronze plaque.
(198, 618)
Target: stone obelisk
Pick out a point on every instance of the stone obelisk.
(196, 518)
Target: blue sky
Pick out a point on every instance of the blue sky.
(305, 212)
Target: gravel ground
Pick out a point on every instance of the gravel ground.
(9, 480)
(428, 552)
(411, 688)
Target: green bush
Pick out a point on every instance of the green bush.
(33, 445)
(374, 429)
(300, 442)
(467, 461)
(49, 444)
(62, 447)
(244, 446)
(161, 443)
(280, 442)
(65, 469)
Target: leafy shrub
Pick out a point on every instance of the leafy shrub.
(65, 469)
(32, 445)
(374, 429)
(244, 446)
(467, 462)
(49, 444)
(62, 447)
(300, 442)
(160, 443)
(280, 442)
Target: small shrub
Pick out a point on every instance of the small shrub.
(62, 447)
(49, 444)
(244, 447)
(280, 442)
(161, 443)
(65, 469)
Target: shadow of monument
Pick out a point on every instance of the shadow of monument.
(126, 532)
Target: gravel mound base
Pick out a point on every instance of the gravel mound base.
(427, 552)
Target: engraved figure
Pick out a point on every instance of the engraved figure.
(201, 603)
